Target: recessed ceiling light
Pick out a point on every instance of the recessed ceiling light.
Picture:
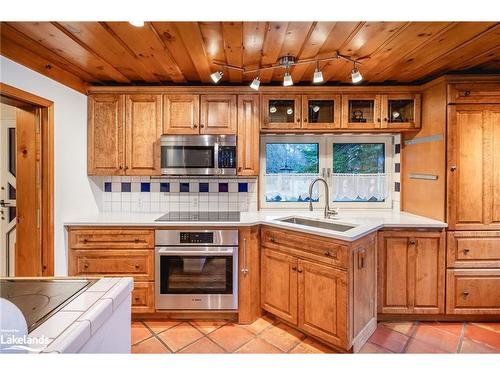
(287, 79)
(216, 77)
(255, 84)
(137, 23)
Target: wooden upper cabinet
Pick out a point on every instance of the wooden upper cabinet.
(411, 272)
(143, 130)
(469, 93)
(361, 111)
(105, 128)
(281, 112)
(279, 284)
(218, 114)
(248, 135)
(181, 114)
(321, 112)
(322, 297)
(474, 167)
(401, 111)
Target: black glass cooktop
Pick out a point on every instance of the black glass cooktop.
(40, 299)
(200, 216)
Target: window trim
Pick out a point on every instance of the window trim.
(325, 161)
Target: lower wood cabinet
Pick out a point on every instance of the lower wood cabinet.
(331, 303)
(249, 275)
(411, 272)
(116, 252)
(473, 249)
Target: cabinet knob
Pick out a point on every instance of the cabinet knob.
(453, 168)
(327, 253)
(120, 167)
(136, 240)
(378, 119)
(413, 242)
(272, 239)
(305, 120)
(136, 266)
(298, 119)
(86, 266)
(195, 126)
(239, 169)
(465, 294)
(385, 119)
(202, 126)
(299, 270)
(294, 268)
(466, 251)
(136, 298)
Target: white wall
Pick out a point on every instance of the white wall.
(74, 191)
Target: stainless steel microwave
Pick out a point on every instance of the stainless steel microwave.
(198, 155)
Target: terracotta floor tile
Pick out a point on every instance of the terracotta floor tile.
(203, 346)
(158, 326)
(371, 348)
(207, 326)
(388, 339)
(418, 346)
(150, 346)
(491, 326)
(258, 346)
(282, 336)
(310, 346)
(259, 325)
(454, 328)
(405, 328)
(139, 332)
(231, 336)
(438, 338)
(469, 346)
(482, 335)
(180, 336)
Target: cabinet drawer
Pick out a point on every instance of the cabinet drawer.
(143, 297)
(111, 239)
(474, 93)
(314, 247)
(473, 291)
(137, 263)
(473, 249)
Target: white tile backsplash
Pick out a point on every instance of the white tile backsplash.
(195, 200)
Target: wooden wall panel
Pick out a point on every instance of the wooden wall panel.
(426, 197)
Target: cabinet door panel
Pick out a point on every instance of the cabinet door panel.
(494, 121)
(181, 114)
(143, 130)
(248, 135)
(401, 111)
(361, 111)
(323, 302)
(321, 111)
(281, 112)
(279, 285)
(105, 142)
(218, 114)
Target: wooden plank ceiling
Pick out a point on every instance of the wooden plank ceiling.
(81, 53)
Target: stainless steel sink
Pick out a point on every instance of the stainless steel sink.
(317, 223)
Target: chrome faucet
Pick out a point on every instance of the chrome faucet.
(329, 213)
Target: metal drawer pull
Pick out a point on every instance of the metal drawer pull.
(244, 270)
(361, 257)
(466, 251)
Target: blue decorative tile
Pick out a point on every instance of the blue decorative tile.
(397, 186)
(164, 187)
(126, 187)
(242, 187)
(223, 187)
(184, 187)
(397, 167)
(145, 187)
(107, 187)
(203, 187)
(397, 148)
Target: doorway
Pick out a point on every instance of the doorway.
(26, 184)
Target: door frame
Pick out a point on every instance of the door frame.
(19, 98)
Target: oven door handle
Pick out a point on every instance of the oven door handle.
(179, 251)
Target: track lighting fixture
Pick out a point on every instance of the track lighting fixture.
(255, 84)
(216, 77)
(318, 76)
(137, 23)
(356, 75)
(287, 79)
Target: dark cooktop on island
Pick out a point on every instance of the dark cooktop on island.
(200, 216)
(40, 299)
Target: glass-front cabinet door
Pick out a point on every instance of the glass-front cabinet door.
(361, 111)
(281, 112)
(321, 111)
(401, 111)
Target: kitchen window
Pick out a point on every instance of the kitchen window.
(357, 169)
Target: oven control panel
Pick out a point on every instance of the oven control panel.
(196, 237)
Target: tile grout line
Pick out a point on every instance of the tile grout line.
(410, 336)
(462, 336)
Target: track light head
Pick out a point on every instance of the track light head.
(318, 76)
(356, 75)
(287, 79)
(255, 84)
(137, 23)
(217, 76)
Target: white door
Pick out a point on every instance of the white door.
(7, 189)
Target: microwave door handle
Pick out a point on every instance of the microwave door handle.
(216, 158)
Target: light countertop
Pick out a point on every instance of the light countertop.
(365, 221)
